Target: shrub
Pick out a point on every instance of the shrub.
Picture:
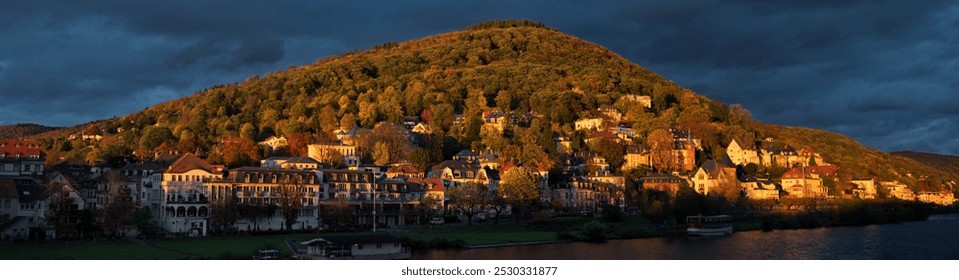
(594, 231)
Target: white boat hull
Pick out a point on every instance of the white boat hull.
(710, 231)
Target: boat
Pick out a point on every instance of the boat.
(357, 247)
(267, 254)
(709, 225)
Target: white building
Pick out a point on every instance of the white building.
(185, 199)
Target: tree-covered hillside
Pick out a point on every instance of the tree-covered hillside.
(517, 67)
(22, 130)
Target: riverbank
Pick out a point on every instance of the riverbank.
(918, 240)
(841, 214)
(506, 233)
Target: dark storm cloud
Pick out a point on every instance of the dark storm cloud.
(228, 55)
(879, 71)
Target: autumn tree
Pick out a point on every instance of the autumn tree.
(248, 131)
(239, 151)
(428, 206)
(223, 213)
(660, 143)
(728, 188)
(154, 136)
(520, 188)
(189, 143)
(347, 121)
(290, 202)
(394, 141)
(297, 143)
(612, 151)
(328, 119)
(118, 209)
(255, 210)
(381, 154)
(498, 204)
(468, 199)
(338, 213)
(58, 209)
(492, 138)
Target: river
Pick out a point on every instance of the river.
(929, 239)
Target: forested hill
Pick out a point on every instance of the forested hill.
(945, 163)
(515, 66)
(22, 130)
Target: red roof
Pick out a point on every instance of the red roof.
(21, 148)
(403, 169)
(823, 170)
(189, 162)
(432, 184)
(794, 173)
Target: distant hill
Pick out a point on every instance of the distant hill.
(516, 67)
(946, 163)
(22, 130)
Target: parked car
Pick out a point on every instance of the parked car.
(437, 221)
(586, 213)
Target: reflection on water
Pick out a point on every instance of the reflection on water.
(931, 239)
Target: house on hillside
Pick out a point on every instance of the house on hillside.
(684, 150)
(611, 112)
(563, 143)
(495, 119)
(422, 128)
(644, 100)
(404, 170)
(663, 182)
(274, 142)
(461, 172)
(185, 199)
(740, 155)
(589, 124)
(714, 175)
(898, 190)
(803, 182)
(433, 187)
(862, 188)
(636, 156)
(943, 197)
(760, 189)
(396, 199)
(347, 136)
(325, 153)
(302, 163)
(589, 193)
(21, 158)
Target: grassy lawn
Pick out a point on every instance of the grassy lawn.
(230, 247)
(118, 250)
(243, 247)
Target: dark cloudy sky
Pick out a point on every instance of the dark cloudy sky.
(883, 72)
